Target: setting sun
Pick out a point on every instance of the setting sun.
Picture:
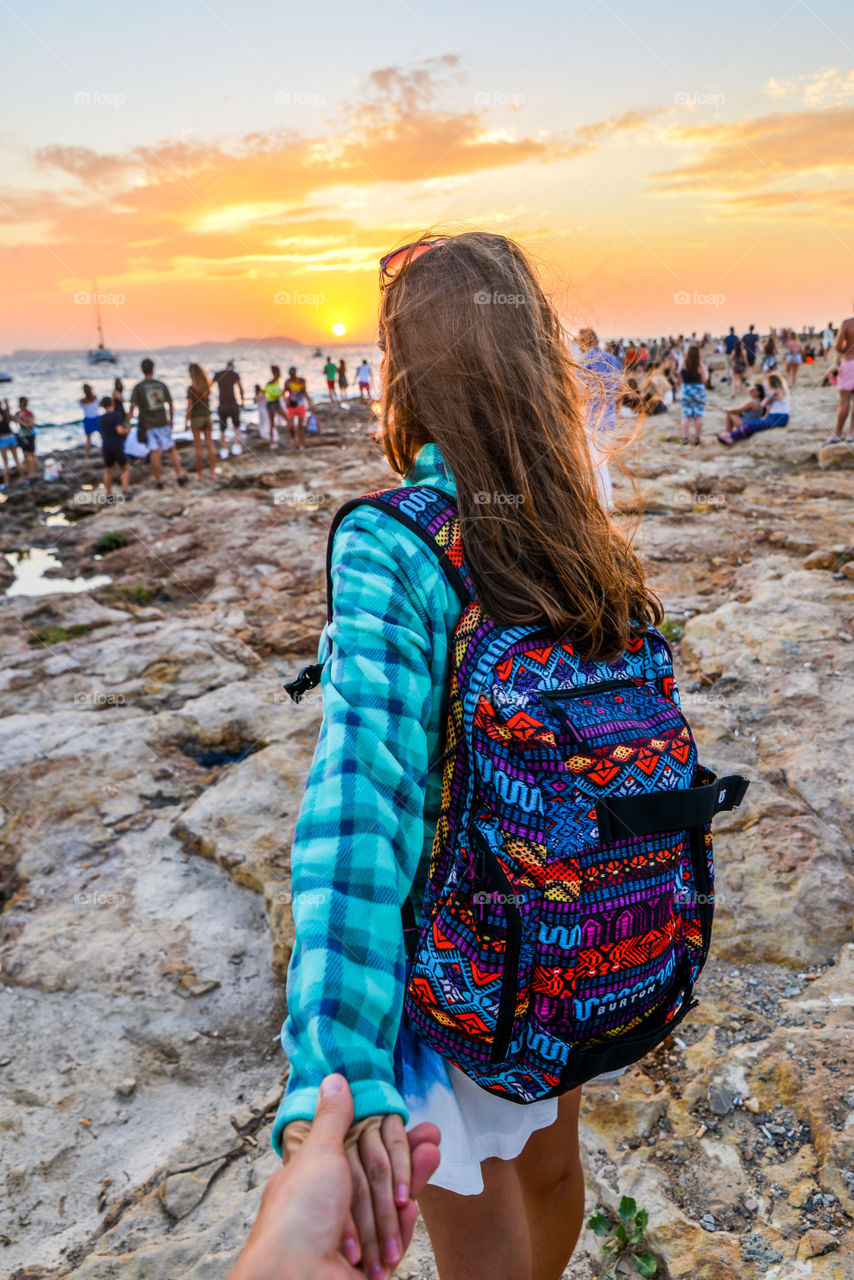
(339, 330)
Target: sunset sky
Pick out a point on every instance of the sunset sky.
(236, 170)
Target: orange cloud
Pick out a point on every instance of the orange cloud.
(161, 208)
(754, 152)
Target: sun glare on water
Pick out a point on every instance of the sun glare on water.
(339, 330)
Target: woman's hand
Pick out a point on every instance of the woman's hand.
(381, 1172)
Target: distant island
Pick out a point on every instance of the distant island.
(28, 353)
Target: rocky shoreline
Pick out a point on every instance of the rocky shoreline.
(151, 772)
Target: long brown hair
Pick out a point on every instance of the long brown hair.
(692, 364)
(477, 363)
(199, 380)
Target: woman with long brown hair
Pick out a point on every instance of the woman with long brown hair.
(481, 403)
(694, 378)
(199, 419)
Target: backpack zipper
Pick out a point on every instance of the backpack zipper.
(586, 690)
(510, 972)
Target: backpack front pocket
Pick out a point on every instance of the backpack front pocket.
(469, 984)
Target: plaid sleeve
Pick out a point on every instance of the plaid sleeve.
(360, 833)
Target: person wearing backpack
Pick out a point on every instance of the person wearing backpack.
(501, 872)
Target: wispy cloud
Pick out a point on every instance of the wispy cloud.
(821, 88)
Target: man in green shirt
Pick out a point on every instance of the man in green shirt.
(331, 371)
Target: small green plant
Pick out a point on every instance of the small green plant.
(672, 631)
(110, 542)
(51, 634)
(137, 594)
(625, 1239)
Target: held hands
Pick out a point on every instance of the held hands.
(326, 1192)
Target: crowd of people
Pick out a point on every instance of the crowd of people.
(144, 426)
(644, 377)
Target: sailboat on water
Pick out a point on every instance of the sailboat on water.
(101, 354)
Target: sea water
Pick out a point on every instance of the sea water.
(53, 381)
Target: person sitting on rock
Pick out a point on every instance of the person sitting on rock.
(775, 412)
(750, 411)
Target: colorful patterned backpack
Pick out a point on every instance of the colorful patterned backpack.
(569, 905)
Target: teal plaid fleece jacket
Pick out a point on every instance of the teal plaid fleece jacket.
(369, 813)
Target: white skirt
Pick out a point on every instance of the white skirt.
(475, 1125)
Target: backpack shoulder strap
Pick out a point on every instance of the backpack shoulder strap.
(432, 516)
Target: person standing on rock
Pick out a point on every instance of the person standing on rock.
(603, 389)
(343, 383)
(228, 384)
(112, 425)
(8, 444)
(26, 437)
(828, 337)
(845, 383)
(330, 369)
(794, 358)
(152, 401)
(297, 404)
(363, 377)
(263, 415)
(199, 420)
(89, 405)
(510, 1186)
(273, 397)
(738, 367)
(750, 341)
(694, 378)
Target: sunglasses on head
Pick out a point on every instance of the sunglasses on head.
(392, 264)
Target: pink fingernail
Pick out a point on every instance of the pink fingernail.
(391, 1251)
(378, 1272)
(402, 1194)
(352, 1252)
(332, 1084)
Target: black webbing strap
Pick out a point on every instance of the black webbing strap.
(410, 928)
(586, 1062)
(622, 817)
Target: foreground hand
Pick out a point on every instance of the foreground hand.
(305, 1208)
